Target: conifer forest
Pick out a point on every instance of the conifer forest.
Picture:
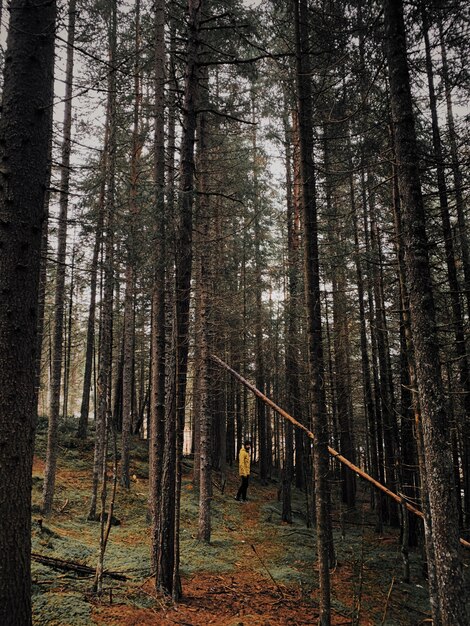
(234, 255)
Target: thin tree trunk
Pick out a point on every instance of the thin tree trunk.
(68, 343)
(259, 356)
(116, 388)
(82, 430)
(158, 334)
(385, 385)
(312, 295)
(43, 274)
(129, 298)
(341, 391)
(299, 440)
(378, 428)
(200, 403)
(205, 416)
(456, 170)
(437, 457)
(365, 362)
(292, 356)
(106, 517)
(106, 322)
(410, 414)
(57, 342)
(25, 127)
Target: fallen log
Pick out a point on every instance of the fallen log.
(72, 566)
(339, 457)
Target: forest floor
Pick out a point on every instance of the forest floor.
(256, 571)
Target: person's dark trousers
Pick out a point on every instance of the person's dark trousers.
(241, 495)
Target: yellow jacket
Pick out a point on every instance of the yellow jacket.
(244, 462)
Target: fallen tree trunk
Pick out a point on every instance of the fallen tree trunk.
(72, 566)
(339, 457)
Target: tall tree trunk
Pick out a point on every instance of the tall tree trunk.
(25, 128)
(167, 575)
(437, 457)
(409, 409)
(129, 298)
(418, 433)
(376, 447)
(312, 295)
(158, 334)
(365, 361)
(205, 465)
(57, 342)
(341, 391)
(383, 353)
(200, 403)
(68, 339)
(261, 412)
(292, 330)
(456, 170)
(333, 384)
(106, 322)
(82, 429)
(301, 456)
(457, 314)
(205, 415)
(378, 422)
(43, 273)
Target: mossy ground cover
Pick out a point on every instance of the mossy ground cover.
(256, 571)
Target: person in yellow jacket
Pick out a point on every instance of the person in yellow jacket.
(244, 470)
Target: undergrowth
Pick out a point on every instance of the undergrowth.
(365, 580)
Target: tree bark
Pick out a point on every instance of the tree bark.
(167, 576)
(205, 415)
(57, 341)
(25, 128)
(300, 457)
(292, 329)
(106, 322)
(158, 334)
(438, 460)
(68, 339)
(82, 429)
(341, 390)
(129, 297)
(452, 278)
(383, 353)
(312, 296)
(259, 356)
(43, 273)
(456, 170)
(365, 361)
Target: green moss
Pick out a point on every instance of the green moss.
(287, 551)
(60, 609)
(217, 557)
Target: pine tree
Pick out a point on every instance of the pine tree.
(25, 128)
(449, 605)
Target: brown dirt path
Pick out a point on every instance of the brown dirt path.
(246, 596)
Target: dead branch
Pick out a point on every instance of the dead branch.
(387, 601)
(265, 567)
(72, 566)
